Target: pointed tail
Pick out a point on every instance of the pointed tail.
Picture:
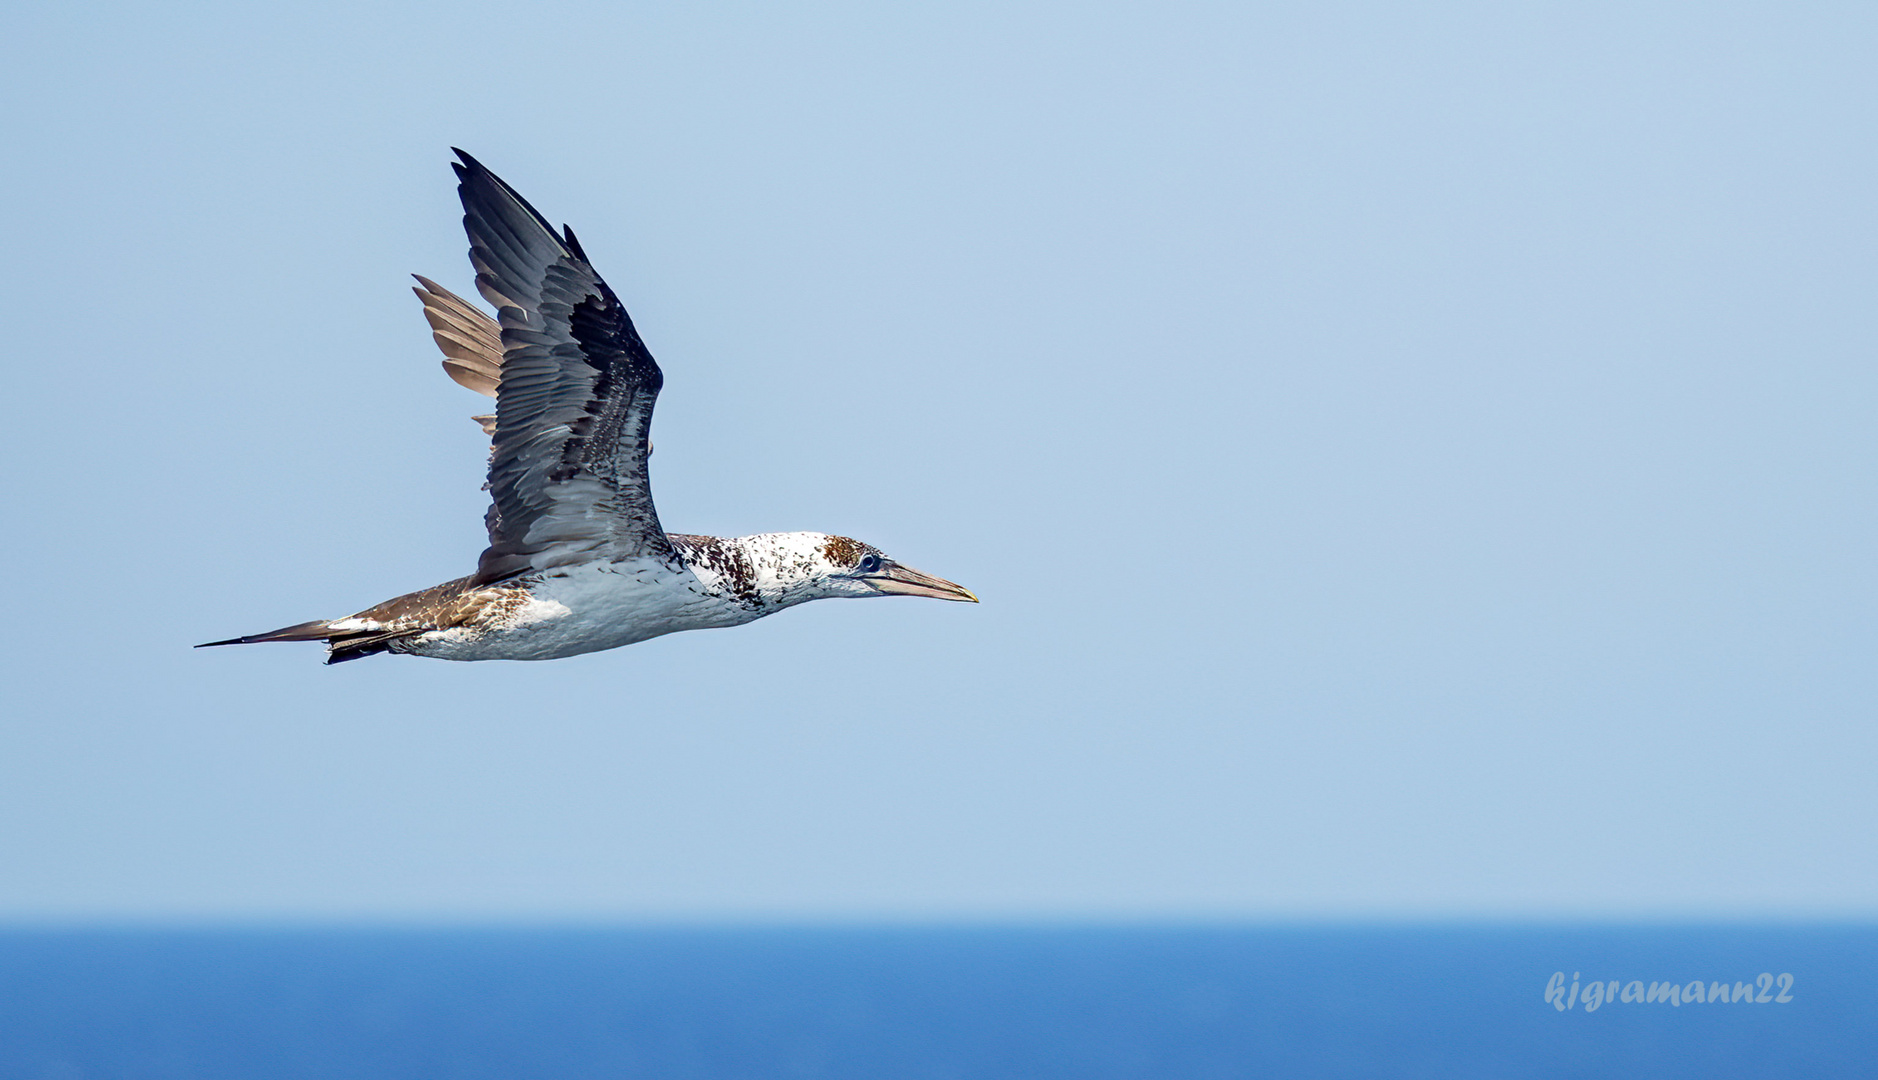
(317, 630)
(342, 643)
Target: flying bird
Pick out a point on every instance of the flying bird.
(577, 561)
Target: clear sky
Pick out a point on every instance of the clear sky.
(1415, 462)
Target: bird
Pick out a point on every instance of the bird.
(577, 561)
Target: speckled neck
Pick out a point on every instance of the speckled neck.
(765, 572)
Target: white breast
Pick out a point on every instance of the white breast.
(586, 608)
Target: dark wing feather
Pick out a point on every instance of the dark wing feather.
(471, 341)
(574, 398)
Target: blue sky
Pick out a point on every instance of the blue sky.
(1415, 463)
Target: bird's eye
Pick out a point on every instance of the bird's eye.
(870, 564)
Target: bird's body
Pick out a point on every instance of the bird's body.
(577, 561)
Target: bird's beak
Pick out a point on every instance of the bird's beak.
(896, 580)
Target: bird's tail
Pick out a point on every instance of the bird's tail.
(342, 644)
(317, 630)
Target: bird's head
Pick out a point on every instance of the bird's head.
(848, 567)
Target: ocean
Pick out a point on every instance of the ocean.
(909, 1003)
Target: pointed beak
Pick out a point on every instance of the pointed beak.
(896, 580)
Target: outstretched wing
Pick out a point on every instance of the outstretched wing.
(574, 394)
(471, 341)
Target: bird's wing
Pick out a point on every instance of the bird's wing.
(471, 341)
(573, 399)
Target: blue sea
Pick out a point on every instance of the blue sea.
(875, 1003)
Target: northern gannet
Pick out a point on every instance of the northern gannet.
(577, 561)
